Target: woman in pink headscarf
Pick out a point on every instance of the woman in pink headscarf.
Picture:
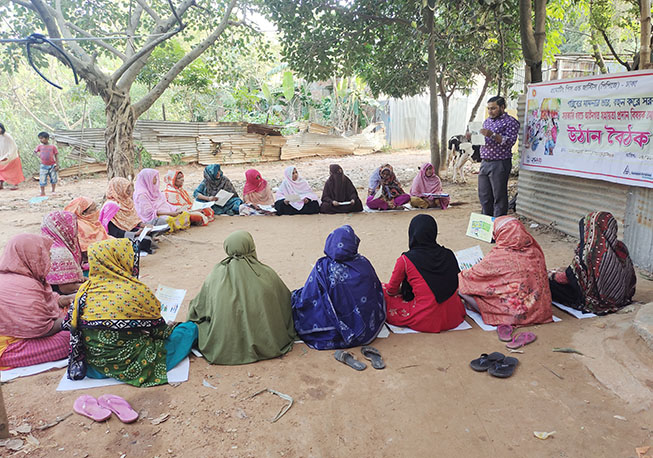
(65, 274)
(152, 206)
(30, 312)
(426, 191)
(256, 192)
(295, 196)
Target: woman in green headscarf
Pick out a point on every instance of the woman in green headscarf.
(243, 309)
(214, 182)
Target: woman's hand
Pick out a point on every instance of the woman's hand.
(65, 301)
(286, 201)
(306, 200)
(335, 203)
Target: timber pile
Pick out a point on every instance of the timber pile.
(306, 144)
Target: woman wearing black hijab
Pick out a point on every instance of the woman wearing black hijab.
(422, 292)
(339, 195)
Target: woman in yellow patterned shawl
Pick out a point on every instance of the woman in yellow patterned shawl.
(116, 324)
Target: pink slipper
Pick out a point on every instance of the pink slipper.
(119, 406)
(505, 332)
(88, 406)
(521, 339)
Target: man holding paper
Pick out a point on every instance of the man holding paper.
(500, 131)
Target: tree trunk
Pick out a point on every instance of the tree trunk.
(645, 35)
(596, 51)
(532, 38)
(481, 96)
(433, 94)
(536, 72)
(119, 135)
(445, 127)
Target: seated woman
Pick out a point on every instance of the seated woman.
(214, 182)
(339, 189)
(421, 293)
(257, 192)
(425, 185)
(243, 309)
(116, 325)
(509, 286)
(121, 219)
(341, 304)
(178, 197)
(601, 277)
(30, 312)
(65, 275)
(152, 207)
(295, 196)
(89, 227)
(385, 191)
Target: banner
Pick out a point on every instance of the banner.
(597, 127)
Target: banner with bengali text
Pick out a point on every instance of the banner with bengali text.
(597, 127)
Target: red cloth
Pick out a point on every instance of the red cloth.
(47, 153)
(423, 313)
(12, 171)
(28, 352)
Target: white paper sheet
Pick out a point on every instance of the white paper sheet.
(577, 313)
(268, 208)
(293, 198)
(11, 374)
(469, 257)
(402, 330)
(223, 197)
(171, 300)
(480, 227)
(177, 374)
(147, 230)
(486, 327)
(384, 332)
(196, 352)
(347, 202)
(197, 205)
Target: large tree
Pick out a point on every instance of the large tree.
(400, 47)
(109, 43)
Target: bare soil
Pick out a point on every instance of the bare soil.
(427, 402)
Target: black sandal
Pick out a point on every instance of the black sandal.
(373, 355)
(347, 358)
(486, 361)
(505, 368)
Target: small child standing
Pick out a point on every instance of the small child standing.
(49, 156)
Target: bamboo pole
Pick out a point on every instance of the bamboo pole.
(645, 34)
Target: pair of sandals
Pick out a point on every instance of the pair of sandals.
(100, 409)
(497, 364)
(504, 331)
(370, 353)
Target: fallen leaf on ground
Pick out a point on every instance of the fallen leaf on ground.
(14, 444)
(24, 429)
(543, 435)
(160, 419)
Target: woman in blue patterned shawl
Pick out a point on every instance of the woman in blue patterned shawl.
(341, 305)
(215, 181)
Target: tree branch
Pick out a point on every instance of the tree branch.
(24, 4)
(153, 14)
(146, 102)
(101, 43)
(61, 21)
(134, 20)
(614, 51)
(134, 64)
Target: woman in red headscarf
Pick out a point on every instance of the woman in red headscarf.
(257, 192)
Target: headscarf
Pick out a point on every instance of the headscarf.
(257, 190)
(28, 306)
(89, 227)
(177, 197)
(107, 212)
(118, 191)
(389, 184)
(214, 181)
(148, 198)
(435, 263)
(243, 309)
(338, 186)
(510, 284)
(66, 255)
(300, 187)
(602, 265)
(341, 304)
(423, 184)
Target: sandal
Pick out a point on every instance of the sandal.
(486, 361)
(88, 406)
(521, 339)
(119, 406)
(373, 355)
(504, 331)
(505, 368)
(347, 358)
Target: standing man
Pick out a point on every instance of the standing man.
(501, 131)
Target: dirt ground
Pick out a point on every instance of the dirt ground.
(427, 402)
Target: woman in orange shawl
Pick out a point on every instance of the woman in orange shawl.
(179, 198)
(510, 285)
(89, 227)
(11, 169)
(120, 191)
